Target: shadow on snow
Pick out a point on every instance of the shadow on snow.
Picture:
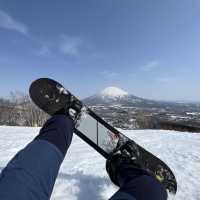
(90, 186)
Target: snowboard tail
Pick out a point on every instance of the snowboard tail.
(48, 95)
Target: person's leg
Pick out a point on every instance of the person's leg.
(125, 170)
(31, 174)
(137, 184)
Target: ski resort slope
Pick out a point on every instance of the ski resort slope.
(83, 175)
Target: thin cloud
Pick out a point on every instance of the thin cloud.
(43, 51)
(165, 80)
(9, 23)
(70, 45)
(109, 75)
(150, 66)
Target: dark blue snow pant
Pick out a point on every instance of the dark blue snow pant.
(31, 174)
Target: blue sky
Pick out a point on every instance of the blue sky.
(148, 48)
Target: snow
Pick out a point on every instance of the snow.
(178, 117)
(192, 113)
(113, 92)
(83, 175)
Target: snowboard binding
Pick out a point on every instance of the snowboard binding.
(72, 108)
(125, 156)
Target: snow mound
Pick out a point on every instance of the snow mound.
(113, 92)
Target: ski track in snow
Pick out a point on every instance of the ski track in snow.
(83, 175)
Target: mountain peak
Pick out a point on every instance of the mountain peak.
(113, 92)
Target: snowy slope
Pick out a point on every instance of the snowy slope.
(83, 175)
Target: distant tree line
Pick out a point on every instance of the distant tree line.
(19, 110)
(146, 121)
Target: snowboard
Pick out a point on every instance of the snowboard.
(51, 96)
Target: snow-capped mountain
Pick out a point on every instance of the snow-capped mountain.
(112, 96)
(113, 92)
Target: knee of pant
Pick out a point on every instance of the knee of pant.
(62, 120)
(58, 123)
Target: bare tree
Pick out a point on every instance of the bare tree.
(30, 114)
(146, 121)
(19, 110)
(6, 112)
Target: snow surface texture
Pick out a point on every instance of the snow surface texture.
(83, 174)
(113, 92)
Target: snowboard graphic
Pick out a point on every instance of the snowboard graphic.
(51, 96)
